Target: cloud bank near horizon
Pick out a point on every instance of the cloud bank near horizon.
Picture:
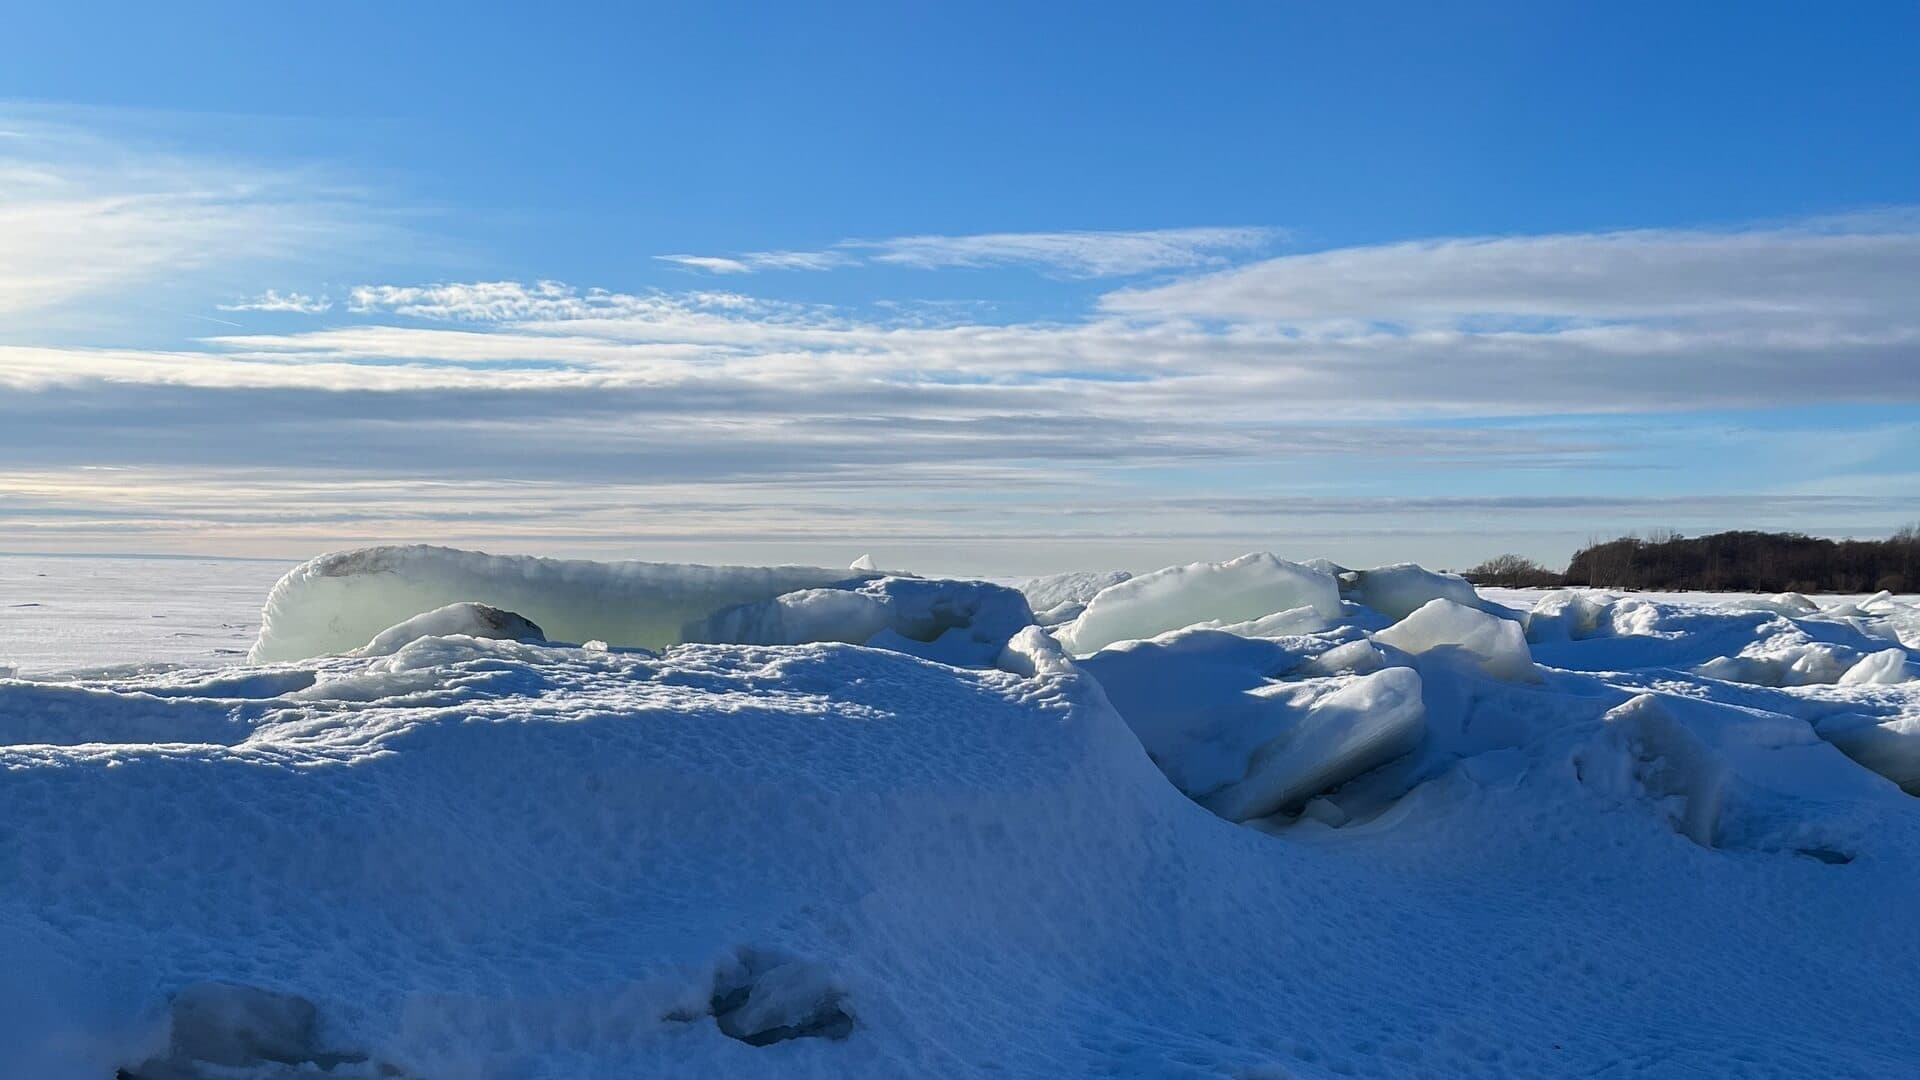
(1208, 368)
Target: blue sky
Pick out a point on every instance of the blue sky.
(1009, 287)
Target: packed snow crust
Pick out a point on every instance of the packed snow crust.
(894, 826)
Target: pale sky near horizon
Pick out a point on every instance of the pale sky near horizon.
(985, 290)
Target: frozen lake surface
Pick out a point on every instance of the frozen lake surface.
(60, 613)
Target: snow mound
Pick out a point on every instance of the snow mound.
(1399, 590)
(483, 858)
(465, 618)
(1241, 589)
(967, 623)
(1496, 646)
(338, 602)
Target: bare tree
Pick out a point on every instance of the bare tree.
(1512, 571)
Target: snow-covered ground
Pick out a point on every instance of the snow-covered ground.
(1254, 819)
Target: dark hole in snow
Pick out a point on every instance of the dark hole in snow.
(1827, 855)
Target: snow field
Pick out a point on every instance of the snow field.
(890, 826)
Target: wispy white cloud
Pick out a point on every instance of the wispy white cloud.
(712, 264)
(753, 261)
(1085, 254)
(1079, 254)
(1827, 269)
(292, 302)
(1781, 316)
(514, 302)
(797, 260)
(83, 215)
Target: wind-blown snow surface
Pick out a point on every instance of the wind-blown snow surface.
(492, 858)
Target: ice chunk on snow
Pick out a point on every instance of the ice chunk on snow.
(1883, 668)
(1225, 592)
(1363, 722)
(1662, 759)
(1496, 645)
(1352, 658)
(1399, 590)
(338, 602)
(1567, 615)
(864, 562)
(1290, 623)
(1813, 663)
(467, 618)
(1064, 612)
(1725, 776)
(1877, 605)
(958, 622)
(789, 999)
(1204, 705)
(1890, 748)
(1790, 604)
(218, 1023)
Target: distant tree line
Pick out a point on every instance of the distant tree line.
(1744, 561)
